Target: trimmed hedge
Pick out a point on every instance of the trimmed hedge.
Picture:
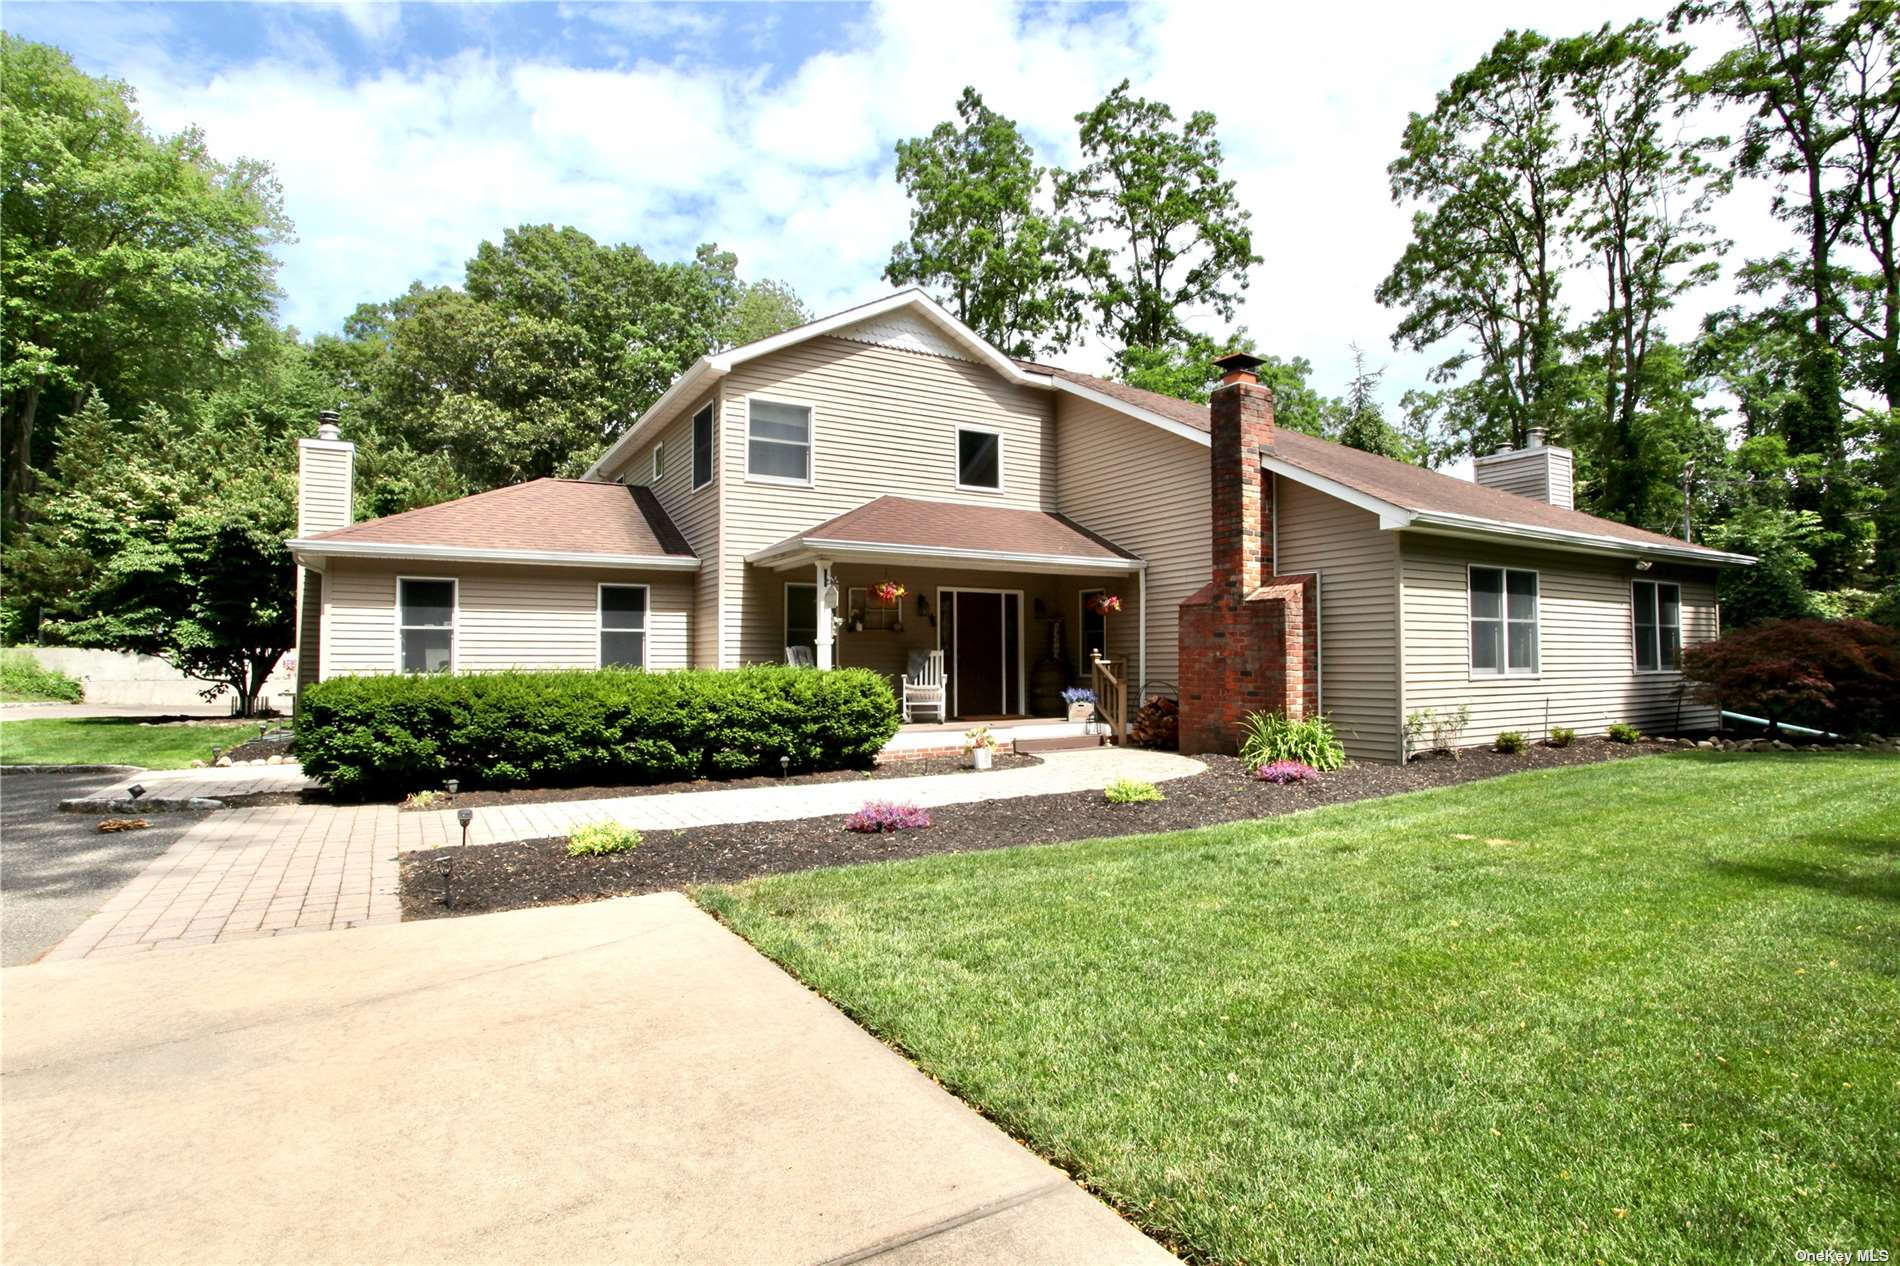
(368, 735)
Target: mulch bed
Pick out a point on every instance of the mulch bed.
(259, 749)
(539, 872)
(554, 795)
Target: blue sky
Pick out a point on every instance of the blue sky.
(405, 134)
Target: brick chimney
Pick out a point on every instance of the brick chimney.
(1247, 644)
(1240, 416)
(326, 498)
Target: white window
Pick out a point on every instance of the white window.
(623, 626)
(659, 461)
(425, 624)
(778, 441)
(1658, 620)
(702, 448)
(801, 616)
(979, 459)
(1503, 620)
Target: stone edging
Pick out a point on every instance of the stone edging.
(144, 804)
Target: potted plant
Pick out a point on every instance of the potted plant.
(981, 745)
(1106, 604)
(1081, 701)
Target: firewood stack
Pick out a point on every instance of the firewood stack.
(1158, 724)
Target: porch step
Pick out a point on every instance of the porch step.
(1069, 743)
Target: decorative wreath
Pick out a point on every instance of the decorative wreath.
(888, 592)
(1105, 604)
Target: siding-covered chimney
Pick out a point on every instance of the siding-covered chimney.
(1540, 471)
(1247, 641)
(326, 494)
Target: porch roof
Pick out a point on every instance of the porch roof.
(986, 538)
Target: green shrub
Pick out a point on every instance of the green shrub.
(1131, 791)
(1446, 728)
(426, 799)
(1562, 736)
(1624, 732)
(597, 839)
(24, 680)
(1266, 737)
(364, 735)
(1510, 742)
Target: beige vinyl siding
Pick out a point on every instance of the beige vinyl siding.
(885, 422)
(325, 470)
(506, 617)
(1358, 566)
(309, 626)
(695, 513)
(1146, 490)
(1587, 677)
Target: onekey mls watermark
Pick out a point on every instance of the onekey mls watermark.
(1842, 1256)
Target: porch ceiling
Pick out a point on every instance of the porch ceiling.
(987, 538)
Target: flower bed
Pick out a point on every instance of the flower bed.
(535, 872)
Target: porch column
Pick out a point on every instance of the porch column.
(826, 603)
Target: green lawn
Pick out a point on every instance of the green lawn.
(1643, 1010)
(115, 741)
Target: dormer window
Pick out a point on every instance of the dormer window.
(979, 459)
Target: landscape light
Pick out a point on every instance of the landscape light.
(454, 785)
(465, 816)
(784, 765)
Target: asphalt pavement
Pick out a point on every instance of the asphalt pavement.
(56, 869)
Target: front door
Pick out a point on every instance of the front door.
(981, 652)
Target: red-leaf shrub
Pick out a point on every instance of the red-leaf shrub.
(1840, 675)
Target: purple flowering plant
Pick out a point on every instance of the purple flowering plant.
(879, 816)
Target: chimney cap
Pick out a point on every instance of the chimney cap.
(327, 428)
(1238, 367)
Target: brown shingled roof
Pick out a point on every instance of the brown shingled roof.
(946, 525)
(558, 515)
(1404, 485)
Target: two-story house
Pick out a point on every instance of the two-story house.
(1030, 515)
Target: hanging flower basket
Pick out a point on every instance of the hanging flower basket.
(1105, 604)
(888, 592)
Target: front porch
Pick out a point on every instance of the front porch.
(1011, 598)
(930, 738)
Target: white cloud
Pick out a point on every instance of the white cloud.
(398, 175)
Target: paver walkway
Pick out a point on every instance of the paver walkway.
(624, 1081)
(275, 870)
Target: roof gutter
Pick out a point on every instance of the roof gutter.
(1444, 524)
(313, 553)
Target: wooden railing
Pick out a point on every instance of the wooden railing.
(1111, 697)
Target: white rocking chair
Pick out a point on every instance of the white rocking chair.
(924, 686)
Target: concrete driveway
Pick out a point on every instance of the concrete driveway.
(55, 868)
(622, 1081)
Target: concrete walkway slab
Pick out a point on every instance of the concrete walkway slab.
(621, 1081)
(1087, 770)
